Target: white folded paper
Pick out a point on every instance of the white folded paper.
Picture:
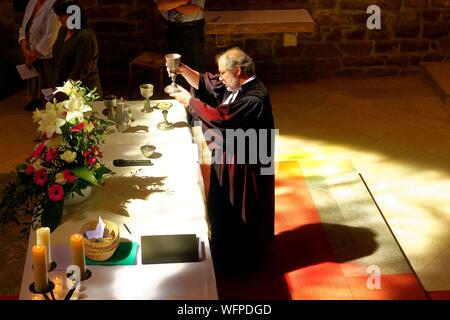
(25, 72)
(47, 93)
(98, 232)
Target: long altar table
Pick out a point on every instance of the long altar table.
(166, 198)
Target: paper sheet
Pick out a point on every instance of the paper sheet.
(48, 93)
(26, 73)
(98, 232)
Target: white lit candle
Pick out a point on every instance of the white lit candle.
(43, 238)
(77, 246)
(39, 268)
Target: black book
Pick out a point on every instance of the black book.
(169, 248)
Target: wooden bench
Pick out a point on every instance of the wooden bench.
(150, 61)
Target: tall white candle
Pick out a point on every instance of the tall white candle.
(43, 238)
(77, 248)
(39, 268)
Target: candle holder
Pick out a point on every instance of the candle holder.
(50, 288)
(84, 276)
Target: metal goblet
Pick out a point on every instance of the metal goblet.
(146, 92)
(147, 150)
(110, 103)
(172, 62)
(164, 107)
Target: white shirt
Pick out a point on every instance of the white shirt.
(44, 30)
(234, 94)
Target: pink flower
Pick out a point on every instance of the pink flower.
(51, 155)
(86, 154)
(30, 169)
(40, 177)
(69, 176)
(78, 127)
(92, 160)
(37, 152)
(56, 192)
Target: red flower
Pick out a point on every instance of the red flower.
(51, 155)
(92, 160)
(78, 127)
(40, 177)
(37, 152)
(69, 176)
(86, 154)
(30, 169)
(56, 192)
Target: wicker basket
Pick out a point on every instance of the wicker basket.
(101, 249)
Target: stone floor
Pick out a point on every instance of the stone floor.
(395, 131)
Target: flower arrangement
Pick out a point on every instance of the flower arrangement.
(67, 157)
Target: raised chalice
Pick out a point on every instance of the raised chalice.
(146, 92)
(164, 107)
(172, 63)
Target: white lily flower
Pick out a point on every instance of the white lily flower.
(68, 156)
(75, 108)
(67, 88)
(50, 123)
(37, 115)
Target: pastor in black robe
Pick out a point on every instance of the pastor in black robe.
(241, 199)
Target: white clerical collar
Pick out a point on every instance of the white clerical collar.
(234, 94)
(253, 77)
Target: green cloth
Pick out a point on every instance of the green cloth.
(125, 255)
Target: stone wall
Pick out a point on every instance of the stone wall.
(412, 31)
(124, 29)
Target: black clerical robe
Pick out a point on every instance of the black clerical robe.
(241, 198)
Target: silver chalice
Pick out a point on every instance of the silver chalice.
(172, 62)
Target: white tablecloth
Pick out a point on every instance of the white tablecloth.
(166, 198)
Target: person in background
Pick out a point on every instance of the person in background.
(37, 35)
(185, 23)
(185, 35)
(241, 198)
(75, 50)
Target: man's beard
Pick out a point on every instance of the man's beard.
(233, 84)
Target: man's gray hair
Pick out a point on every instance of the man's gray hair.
(236, 57)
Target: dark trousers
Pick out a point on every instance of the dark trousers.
(43, 81)
(188, 40)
